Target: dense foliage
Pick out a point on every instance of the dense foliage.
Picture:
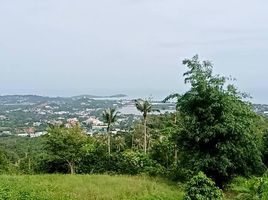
(219, 135)
(200, 187)
(66, 144)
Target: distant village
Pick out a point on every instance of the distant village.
(29, 116)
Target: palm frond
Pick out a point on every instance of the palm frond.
(139, 105)
(110, 115)
(143, 106)
(172, 96)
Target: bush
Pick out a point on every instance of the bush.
(95, 158)
(200, 187)
(5, 166)
(250, 189)
(178, 173)
(134, 162)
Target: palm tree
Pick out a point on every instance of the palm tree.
(109, 116)
(120, 143)
(145, 107)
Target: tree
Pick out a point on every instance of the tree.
(219, 135)
(145, 107)
(119, 143)
(165, 127)
(95, 157)
(109, 116)
(65, 144)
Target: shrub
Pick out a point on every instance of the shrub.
(95, 158)
(134, 162)
(131, 162)
(200, 187)
(250, 189)
(178, 173)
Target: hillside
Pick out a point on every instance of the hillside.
(86, 187)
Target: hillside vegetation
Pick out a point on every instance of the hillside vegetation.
(213, 137)
(85, 187)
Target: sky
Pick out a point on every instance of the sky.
(136, 47)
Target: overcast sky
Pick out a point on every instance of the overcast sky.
(64, 48)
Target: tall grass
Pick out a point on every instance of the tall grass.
(255, 188)
(86, 187)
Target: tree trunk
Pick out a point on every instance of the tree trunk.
(148, 146)
(132, 140)
(109, 140)
(145, 135)
(71, 167)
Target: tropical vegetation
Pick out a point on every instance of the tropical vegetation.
(214, 146)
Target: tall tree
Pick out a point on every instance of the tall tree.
(145, 107)
(66, 144)
(110, 117)
(218, 134)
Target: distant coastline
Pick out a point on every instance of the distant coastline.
(73, 97)
(99, 97)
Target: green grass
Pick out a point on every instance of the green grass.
(86, 187)
(105, 187)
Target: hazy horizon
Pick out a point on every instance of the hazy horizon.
(134, 47)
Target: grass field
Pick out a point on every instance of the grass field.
(96, 187)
